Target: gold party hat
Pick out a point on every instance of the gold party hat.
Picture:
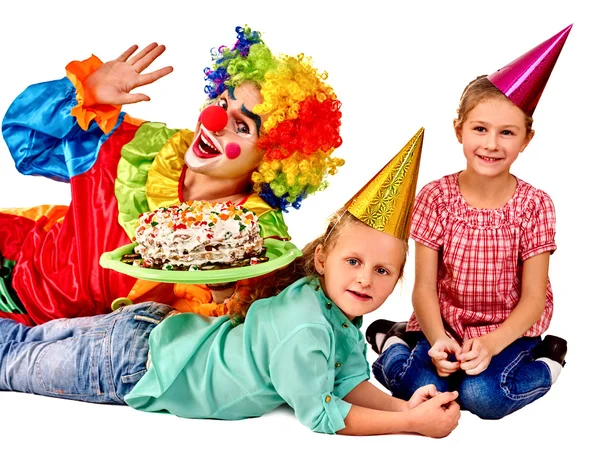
(386, 201)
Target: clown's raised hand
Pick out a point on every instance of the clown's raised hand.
(113, 82)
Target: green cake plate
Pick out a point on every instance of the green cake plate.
(280, 254)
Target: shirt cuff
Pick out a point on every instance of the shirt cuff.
(336, 410)
(549, 247)
(426, 242)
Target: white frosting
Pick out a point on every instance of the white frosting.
(193, 234)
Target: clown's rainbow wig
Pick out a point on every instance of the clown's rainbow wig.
(304, 117)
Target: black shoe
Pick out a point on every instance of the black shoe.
(551, 347)
(386, 327)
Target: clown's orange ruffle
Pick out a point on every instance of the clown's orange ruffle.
(105, 115)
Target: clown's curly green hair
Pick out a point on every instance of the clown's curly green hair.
(304, 117)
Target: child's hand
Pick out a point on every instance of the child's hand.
(421, 395)
(440, 352)
(222, 291)
(476, 355)
(112, 82)
(438, 416)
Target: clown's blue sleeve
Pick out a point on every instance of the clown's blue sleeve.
(44, 138)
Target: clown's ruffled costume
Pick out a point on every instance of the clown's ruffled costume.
(119, 167)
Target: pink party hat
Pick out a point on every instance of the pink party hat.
(524, 79)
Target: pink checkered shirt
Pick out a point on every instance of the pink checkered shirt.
(482, 253)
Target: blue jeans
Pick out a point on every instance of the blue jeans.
(512, 380)
(94, 359)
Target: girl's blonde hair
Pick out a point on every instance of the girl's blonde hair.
(477, 91)
(247, 291)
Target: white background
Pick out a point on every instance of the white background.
(396, 66)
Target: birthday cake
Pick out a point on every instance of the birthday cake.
(197, 236)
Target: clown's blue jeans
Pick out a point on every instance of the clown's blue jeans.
(96, 359)
(512, 380)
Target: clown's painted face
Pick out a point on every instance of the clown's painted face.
(230, 151)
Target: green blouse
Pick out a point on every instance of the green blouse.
(296, 348)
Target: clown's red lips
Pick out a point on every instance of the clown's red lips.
(204, 148)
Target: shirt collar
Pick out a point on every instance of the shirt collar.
(334, 314)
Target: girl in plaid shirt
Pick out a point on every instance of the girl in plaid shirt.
(482, 297)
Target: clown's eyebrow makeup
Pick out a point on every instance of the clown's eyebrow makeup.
(254, 117)
(245, 111)
(230, 90)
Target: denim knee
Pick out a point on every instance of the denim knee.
(389, 368)
(403, 371)
(483, 396)
(494, 399)
(511, 381)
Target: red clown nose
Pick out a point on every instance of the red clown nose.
(214, 118)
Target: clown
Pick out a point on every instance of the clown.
(264, 140)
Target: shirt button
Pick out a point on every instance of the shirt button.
(328, 399)
(328, 306)
(121, 301)
(338, 364)
(345, 325)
